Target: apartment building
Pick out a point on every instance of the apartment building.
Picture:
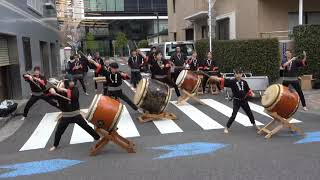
(239, 19)
(28, 37)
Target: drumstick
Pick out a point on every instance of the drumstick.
(59, 95)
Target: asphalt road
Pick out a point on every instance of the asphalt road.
(245, 155)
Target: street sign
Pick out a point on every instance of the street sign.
(189, 149)
(37, 167)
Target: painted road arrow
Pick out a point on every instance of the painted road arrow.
(37, 167)
(189, 149)
(310, 137)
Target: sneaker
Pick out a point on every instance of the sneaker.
(305, 108)
(141, 111)
(226, 130)
(53, 148)
(86, 94)
(23, 118)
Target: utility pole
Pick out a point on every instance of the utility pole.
(211, 4)
(158, 27)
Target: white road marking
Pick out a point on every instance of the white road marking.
(227, 111)
(167, 126)
(80, 136)
(126, 126)
(41, 135)
(260, 110)
(204, 121)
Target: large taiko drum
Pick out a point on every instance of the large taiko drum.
(104, 112)
(188, 81)
(280, 99)
(152, 96)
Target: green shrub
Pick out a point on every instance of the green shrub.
(260, 57)
(143, 44)
(307, 38)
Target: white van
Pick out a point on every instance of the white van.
(169, 48)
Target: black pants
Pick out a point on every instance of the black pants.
(95, 83)
(297, 87)
(171, 84)
(81, 82)
(120, 95)
(135, 78)
(64, 123)
(34, 99)
(236, 106)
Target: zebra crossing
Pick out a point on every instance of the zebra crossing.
(127, 127)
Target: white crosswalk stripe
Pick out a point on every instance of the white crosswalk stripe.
(227, 111)
(204, 121)
(126, 126)
(41, 135)
(128, 129)
(167, 126)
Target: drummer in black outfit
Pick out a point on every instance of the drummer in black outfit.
(193, 62)
(114, 80)
(160, 69)
(98, 60)
(75, 68)
(135, 63)
(70, 112)
(210, 67)
(178, 60)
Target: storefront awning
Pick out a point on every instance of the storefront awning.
(198, 15)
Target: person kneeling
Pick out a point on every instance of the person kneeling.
(70, 112)
(241, 92)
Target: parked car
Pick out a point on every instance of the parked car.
(168, 48)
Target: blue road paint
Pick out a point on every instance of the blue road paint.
(37, 167)
(310, 137)
(189, 149)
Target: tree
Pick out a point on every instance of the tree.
(121, 41)
(143, 44)
(91, 43)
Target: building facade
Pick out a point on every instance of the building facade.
(138, 19)
(239, 19)
(28, 37)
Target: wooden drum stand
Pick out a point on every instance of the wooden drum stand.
(146, 117)
(277, 124)
(186, 96)
(114, 137)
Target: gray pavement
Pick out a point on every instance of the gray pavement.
(246, 155)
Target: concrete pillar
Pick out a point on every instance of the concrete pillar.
(300, 12)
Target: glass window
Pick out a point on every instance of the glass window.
(36, 5)
(27, 53)
(119, 5)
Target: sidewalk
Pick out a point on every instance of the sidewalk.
(21, 104)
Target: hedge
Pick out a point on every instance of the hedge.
(261, 57)
(307, 38)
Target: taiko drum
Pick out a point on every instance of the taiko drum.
(104, 112)
(188, 81)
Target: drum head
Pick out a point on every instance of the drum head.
(181, 77)
(271, 95)
(140, 92)
(93, 107)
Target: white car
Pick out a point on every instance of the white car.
(168, 48)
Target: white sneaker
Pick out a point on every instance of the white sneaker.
(226, 130)
(86, 94)
(305, 108)
(23, 118)
(140, 111)
(53, 148)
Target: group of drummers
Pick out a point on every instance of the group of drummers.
(64, 95)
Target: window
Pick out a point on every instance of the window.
(174, 36)
(115, 5)
(189, 34)
(223, 29)
(204, 32)
(36, 5)
(27, 53)
(174, 6)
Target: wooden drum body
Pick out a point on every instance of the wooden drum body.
(188, 81)
(278, 98)
(104, 112)
(152, 96)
